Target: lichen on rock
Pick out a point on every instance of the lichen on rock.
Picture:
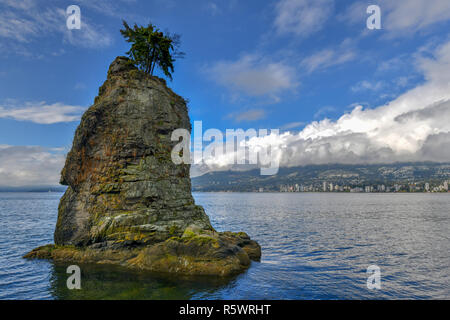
(127, 203)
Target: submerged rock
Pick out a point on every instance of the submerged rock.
(127, 203)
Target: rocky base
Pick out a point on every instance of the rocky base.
(196, 252)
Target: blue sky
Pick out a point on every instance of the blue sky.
(310, 67)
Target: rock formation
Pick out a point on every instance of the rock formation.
(127, 203)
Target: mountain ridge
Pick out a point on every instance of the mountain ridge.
(353, 175)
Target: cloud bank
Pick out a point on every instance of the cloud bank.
(42, 113)
(29, 166)
(413, 127)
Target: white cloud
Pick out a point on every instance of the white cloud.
(247, 116)
(401, 17)
(254, 76)
(107, 7)
(89, 36)
(29, 166)
(402, 82)
(327, 58)
(14, 27)
(413, 127)
(23, 4)
(393, 64)
(42, 113)
(413, 15)
(368, 86)
(302, 17)
(292, 125)
(27, 23)
(355, 13)
(324, 111)
(330, 57)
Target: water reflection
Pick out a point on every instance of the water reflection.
(113, 282)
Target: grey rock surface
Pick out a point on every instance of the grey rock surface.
(127, 203)
(122, 182)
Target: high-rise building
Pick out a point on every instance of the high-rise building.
(324, 186)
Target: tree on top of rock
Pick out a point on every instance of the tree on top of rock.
(150, 48)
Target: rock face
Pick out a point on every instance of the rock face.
(127, 203)
(123, 185)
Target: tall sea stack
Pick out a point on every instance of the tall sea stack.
(127, 203)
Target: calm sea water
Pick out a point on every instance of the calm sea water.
(315, 246)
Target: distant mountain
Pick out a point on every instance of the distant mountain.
(315, 175)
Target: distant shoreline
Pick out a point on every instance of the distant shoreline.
(12, 191)
(317, 192)
(33, 189)
(256, 192)
(268, 192)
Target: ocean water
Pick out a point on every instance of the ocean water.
(314, 246)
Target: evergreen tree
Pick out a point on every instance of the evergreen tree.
(151, 47)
